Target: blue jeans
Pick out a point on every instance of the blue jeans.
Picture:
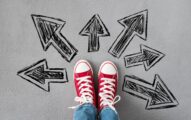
(89, 112)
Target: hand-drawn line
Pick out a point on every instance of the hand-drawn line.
(158, 96)
(94, 29)
(40, 75)
(135, 24)
(49, 31)
(147, 57)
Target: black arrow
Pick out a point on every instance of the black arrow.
(148, 57)
(40, 75)
(135, 24)
(158, 96)
(95, 28)
(49, 31)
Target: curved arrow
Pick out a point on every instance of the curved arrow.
(148, 57)
(158, 96)
(49, 31)
(95, 28)
(40, 75)
(135, 24)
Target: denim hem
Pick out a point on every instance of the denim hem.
(87, 105)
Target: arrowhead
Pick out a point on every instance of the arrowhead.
(33, 74)
(46, 28)
(37, 73)
(95, 25)
(140, 27)
(162, 98)
(152, 56)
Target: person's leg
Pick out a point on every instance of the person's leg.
(108, 114)
(84, 84)
(108, 80)
(85, 112)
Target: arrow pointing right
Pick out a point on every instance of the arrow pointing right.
(148, 57)
(135, 24)
(158, 96)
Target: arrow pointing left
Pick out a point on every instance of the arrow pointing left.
(49, 31)
(40, 75)
(95, 28)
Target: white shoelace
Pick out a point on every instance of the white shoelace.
(107, 94)
(85, 91)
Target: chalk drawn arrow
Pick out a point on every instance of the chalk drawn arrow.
(94, 29)
(135, 25)
(148, 57)
(40, 75)
(49, 31)
(158, 96)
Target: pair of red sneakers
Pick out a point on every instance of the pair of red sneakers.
(107, 84)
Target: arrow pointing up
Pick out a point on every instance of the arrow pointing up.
(95, 28)
(135, 25)
(158, 96)
(148, 57)
(40, 75)
(49, 31)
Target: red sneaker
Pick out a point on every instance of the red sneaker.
(107, 88)
(84, 84)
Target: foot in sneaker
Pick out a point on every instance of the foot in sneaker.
(107, 88)
(84, 84)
